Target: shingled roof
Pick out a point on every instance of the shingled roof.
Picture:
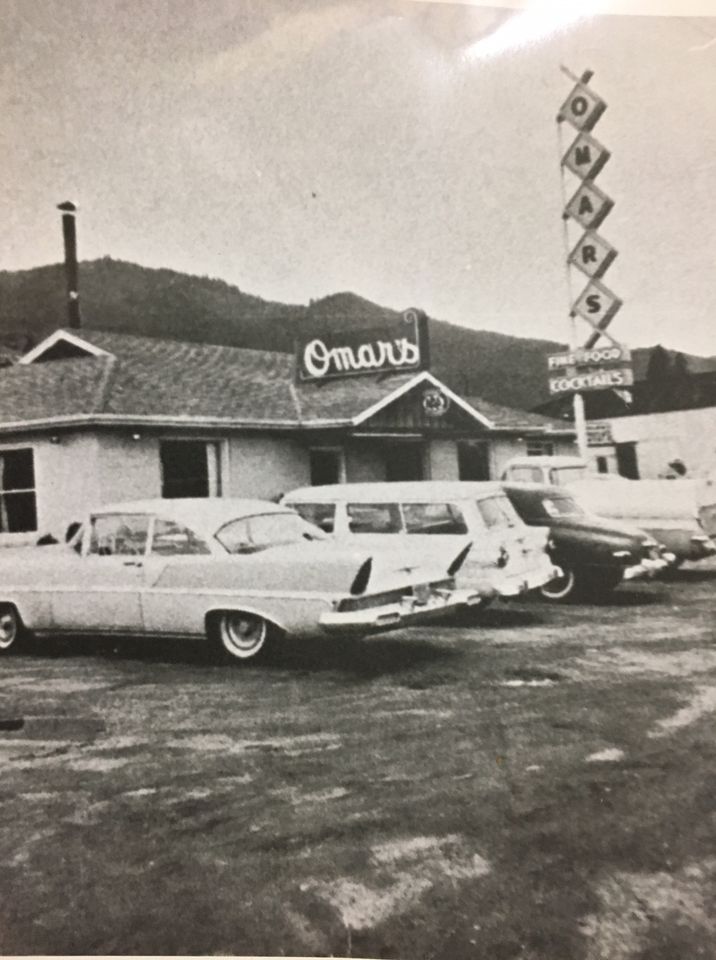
(100, 376)
(508, 419)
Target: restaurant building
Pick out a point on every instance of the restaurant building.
(91, 417)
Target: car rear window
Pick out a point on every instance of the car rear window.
(562, 507)
(323, 515)
(374, 518)
(497, 512)
(437, 518)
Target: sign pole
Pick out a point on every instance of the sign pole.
(588, 366)
(580, 421)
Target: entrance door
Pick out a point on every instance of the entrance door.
(627, 463)
(405, 461)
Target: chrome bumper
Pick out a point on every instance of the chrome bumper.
(408, 611)
(514, 586)
(648, 568)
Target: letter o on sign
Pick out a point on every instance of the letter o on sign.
(579, 106)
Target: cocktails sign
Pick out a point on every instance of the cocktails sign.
(398, 346)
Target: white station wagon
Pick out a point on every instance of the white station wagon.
(240, 572)
(433, 519)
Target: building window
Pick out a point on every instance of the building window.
(190, 468)
(540, 448)
(473, 461)
(326, 465)
(602, 465)
(18, 504)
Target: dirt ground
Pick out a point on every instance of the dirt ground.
(537, 782)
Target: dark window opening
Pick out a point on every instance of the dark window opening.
(190, 468)
(18, 504)
(325, 466)
(473, 461)
(602, 465)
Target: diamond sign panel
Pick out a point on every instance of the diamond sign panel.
(593, 255)
(582, 108)
(597, 305)
(585, 157)
(589, 206)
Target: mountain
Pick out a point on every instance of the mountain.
(120, 296)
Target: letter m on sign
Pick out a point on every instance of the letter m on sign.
(585, 157)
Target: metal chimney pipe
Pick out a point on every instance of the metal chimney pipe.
(69, 235)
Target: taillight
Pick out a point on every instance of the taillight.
(503, 558)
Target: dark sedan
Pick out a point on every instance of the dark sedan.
(594, 554)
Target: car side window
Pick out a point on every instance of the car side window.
(374, 518)
(118, 534)
(174, 540)
(321, 515)
(438, 518)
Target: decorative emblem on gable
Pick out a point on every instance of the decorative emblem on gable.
(435, 402)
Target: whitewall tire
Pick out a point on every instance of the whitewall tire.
(243, 636)
(561, 588)
(10, 628)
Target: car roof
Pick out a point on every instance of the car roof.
(546, 461)
(539, 489)
(197, 511)
(419, 490)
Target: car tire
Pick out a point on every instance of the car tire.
(561, 589)
(11, 628)
(243, 636)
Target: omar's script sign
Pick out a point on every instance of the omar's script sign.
(400, 345)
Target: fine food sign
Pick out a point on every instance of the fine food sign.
(399, 345)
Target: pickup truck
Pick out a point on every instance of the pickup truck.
(680, 513)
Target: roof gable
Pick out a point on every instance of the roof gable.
(62, 345)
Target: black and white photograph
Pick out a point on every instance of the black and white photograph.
(358, 479)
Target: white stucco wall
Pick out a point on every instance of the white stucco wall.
(689, 435)
(66, 479)
(264, 467)
(442, 460)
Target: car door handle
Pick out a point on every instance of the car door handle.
(132, 563)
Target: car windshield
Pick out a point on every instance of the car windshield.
(560, 475)
(497, 512)
(264, 530)
(562, 507)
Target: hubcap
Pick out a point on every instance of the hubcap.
(243, 635)
(8, 630)
(559, 588)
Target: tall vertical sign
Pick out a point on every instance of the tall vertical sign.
(587, 366)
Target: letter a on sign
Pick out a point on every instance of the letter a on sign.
(589, 206)
(582, 108)
(593, 255)
(586, 157)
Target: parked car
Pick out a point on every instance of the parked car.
(681, 513)
(240, 572)
(594, 554)
(433, 519)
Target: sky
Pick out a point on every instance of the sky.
(387, 147)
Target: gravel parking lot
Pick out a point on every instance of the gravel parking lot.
(536, 782)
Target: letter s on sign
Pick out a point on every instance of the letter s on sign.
(316, 358)
(594, 303)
